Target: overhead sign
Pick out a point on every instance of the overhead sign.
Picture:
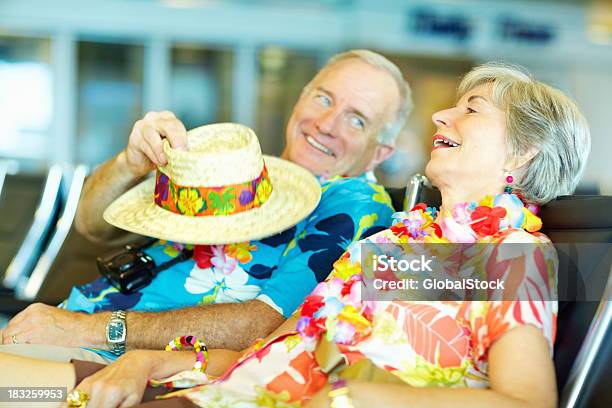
(514, 29)
(455, 26)
(427, 22)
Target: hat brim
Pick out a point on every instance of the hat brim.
(295, 194)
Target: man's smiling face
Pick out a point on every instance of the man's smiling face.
(334, 126)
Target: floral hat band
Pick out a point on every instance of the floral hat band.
(211, 201)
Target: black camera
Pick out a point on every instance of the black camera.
(129, 269)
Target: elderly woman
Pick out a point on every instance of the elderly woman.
(510, 143)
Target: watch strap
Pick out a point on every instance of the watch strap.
(117, 348)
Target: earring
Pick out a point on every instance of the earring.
(509, 180)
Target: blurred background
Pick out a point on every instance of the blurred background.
(76, 74)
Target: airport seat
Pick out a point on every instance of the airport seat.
(75, 264)
(28, 288)
(33, 203)
(68, 259)
(581, 228)
(19, 197)
(590, 378)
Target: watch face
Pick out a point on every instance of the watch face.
(116, 331)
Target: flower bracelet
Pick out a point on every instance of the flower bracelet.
(185, 342)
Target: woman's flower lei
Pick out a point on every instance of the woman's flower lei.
(416, 224)
(335, 308)
(467, 222)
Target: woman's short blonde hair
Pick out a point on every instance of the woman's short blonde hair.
(540, 119)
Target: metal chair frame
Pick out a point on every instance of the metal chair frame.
(28, 289)
(23, 261)
(590, 348)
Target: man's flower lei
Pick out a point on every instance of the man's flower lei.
(203, 254)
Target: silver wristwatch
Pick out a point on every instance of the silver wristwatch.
(116, 332)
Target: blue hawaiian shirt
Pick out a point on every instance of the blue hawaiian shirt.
(280, 270)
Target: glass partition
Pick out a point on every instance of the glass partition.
(109, 98)
(282, 75)
(201, 84)
(26, 99)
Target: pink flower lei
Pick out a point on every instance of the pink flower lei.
(334, 308)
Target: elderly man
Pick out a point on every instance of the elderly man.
(344, 124)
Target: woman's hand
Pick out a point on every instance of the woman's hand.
(122, 383)
(320, 399)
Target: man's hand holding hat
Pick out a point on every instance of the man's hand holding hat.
(144, 150)
(141, 156)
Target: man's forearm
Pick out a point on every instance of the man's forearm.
(231, 326)
(107, 183)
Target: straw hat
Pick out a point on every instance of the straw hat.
(217, 192)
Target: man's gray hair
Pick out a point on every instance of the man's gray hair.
(541, 119)
(392, 129)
